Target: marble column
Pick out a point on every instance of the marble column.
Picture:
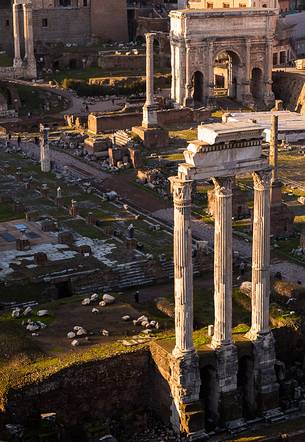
(28, 32)
(261, 255)
(223, 262)
(211, 72)
(273, 154)
(173, 65)
(188, 99)
(260, 333)
(183, 266)
(16, 30)
(268, 95)
(45, 160)
(150, 108)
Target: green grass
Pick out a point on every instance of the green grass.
(5, 60)
(185, 134)
(7, 213)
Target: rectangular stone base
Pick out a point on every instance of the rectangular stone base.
(153, 138)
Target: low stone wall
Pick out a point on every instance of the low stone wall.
(98, 123)
(290, 87)
(122, 62)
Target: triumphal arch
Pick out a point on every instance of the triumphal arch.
(222, 152)
(222, 50)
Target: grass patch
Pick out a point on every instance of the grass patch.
(7, 213)
(5, 61)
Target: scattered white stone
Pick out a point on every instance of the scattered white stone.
(105, 332)
(75, 343)
(102, 304)
(147, 331)
(153, 323)
(77, 327)
(94, 297)
(35, 334)
(71, 335)
(27, 311)
(16, 313)
(32, 327)
(81, 332)
(126, 318)
(95, 310)
(86, 301)
(41, 324)
(42, 313)
(108, 298)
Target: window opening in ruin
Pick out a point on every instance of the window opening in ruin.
(44, 22)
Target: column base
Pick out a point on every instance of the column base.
(17, 63)
(266, 383)
(189, 102)
(226, 372)
(248, 101)
(150, 117)
(187, 412)
(269, 99)
(153, 137)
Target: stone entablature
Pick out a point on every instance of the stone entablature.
(199, 36)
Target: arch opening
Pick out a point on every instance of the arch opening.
(226, 75)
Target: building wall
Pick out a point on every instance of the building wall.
(109, 20)
(6, 26)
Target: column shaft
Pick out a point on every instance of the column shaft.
(173, 63)
(273, 154)
(223, 262)
(211, 69)
(28, 31)
(261, 255)
(16, 30)
(150, 118)
(188, 100)
(183, 266)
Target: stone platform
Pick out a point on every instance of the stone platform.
(153, 138)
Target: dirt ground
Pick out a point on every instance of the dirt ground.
(53, 339)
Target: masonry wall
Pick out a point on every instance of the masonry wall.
(99, 389)
(109, 20)
(6, 23)
(290, 87)
(71, 25)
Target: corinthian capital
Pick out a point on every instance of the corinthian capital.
(223, 185)
(262, 179)
(182, 190)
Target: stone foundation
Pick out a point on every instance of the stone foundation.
(153, 138)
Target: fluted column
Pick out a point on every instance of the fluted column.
(16, 30)
(183, 266)
(188, 99)
(173, 64)
(45, 160)
(211, 70)
(273, 154)
(223, 262)
(28, 32)
(150, 108)
(268, 95)
(261, 255)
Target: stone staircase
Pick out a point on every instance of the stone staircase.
(132, 274)
(122, 138)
